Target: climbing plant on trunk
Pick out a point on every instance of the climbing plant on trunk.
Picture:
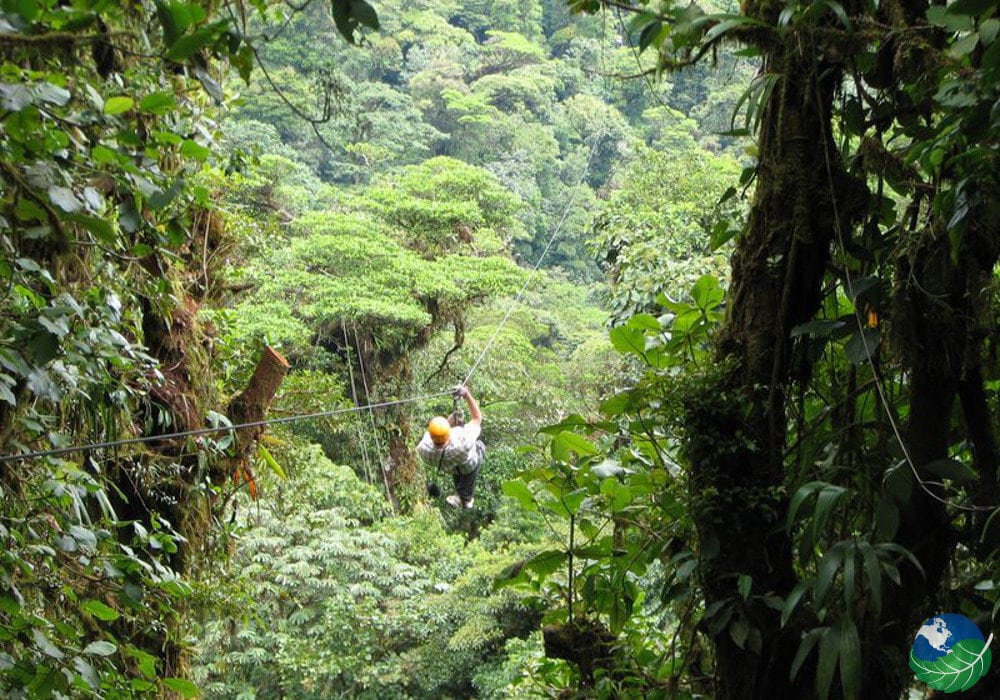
(854, 350)
(111, 244)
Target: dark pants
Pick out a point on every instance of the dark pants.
(465, 484)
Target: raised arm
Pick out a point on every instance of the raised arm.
(477, 416)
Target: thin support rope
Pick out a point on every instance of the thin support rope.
(868, 355)
(371, 417)
(354, 397)
(531, 274)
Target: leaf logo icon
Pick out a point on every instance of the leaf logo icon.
(966, 663)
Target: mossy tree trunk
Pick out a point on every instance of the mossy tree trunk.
(388, 373)
(737, 427)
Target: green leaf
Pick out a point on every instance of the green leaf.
(739, 630)
(545, 563)
(271, 462)
(103, 155)
(743, 585)
(621, 495)
(189, 44)
(972, 8)
(794, 597)
(45, 645)
(722, 233)
(28, 210)
(566, 443)
(829, 648)
(86, 671)
(901, 551)
(963, 47)
(100, 610)
(805, 647)
(988, 30)
(184, 687)
(799, 497)
(6, 394)
(518, 490)
(824, 506)
(145, 661)
(959, 669)
(100, 648)
(858, 287)
(951, 469)
(572, 501)
(117, 105)
(850, 659)
(828, 567)
(862, 346)
(850, 564)
(821, 327)
(626, 339)
(707, 293)
(192, 149)
(100, 227)
(722, 27)
(838, 10)
(573, 422)
(617, 404)
(158, 103)
(645, 322)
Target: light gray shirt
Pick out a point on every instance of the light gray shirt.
(459, 453)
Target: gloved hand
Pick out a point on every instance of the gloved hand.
(462, 392)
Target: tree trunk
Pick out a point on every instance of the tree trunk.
(252, 404)
(737, 423)
(937, 318)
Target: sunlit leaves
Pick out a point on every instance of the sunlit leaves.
(100, 610)
(118, 104)
(184, 688)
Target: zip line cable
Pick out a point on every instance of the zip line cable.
(531, 274)
(56, 451)
(880, 390)
(217, 429)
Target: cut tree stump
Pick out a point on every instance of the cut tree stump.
(252, 404)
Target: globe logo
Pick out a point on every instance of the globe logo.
(949, 653)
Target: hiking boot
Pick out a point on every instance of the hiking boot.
(454, 501)
(468, 503)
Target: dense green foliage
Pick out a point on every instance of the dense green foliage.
(339, 600)
(742, 465)
(101, 210)
(375, 236)
(838, 437)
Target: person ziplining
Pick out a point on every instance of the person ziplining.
(452, 447)
(456, 449)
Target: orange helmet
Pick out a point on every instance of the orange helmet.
(440, 429)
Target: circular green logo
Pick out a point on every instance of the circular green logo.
(949, 653)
